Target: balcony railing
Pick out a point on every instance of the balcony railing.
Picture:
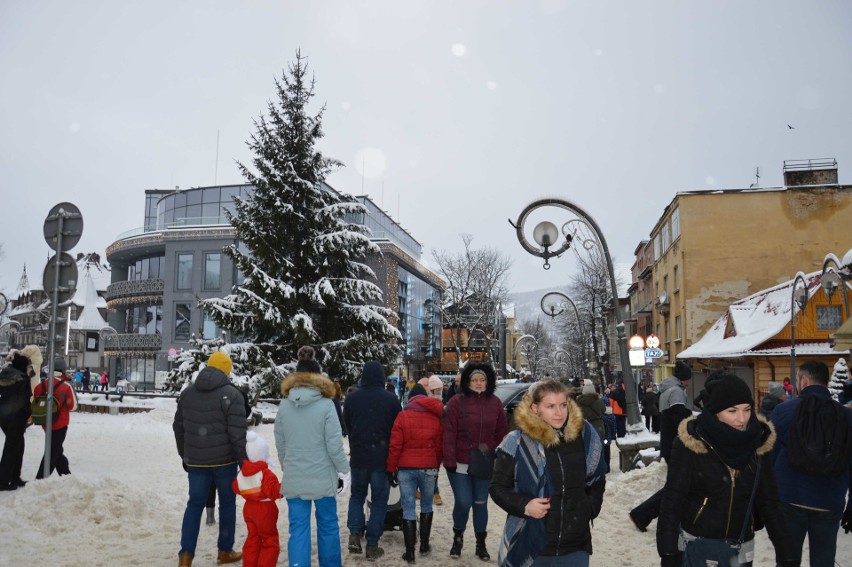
(132, 342)
(134, 288)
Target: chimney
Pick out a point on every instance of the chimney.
(821, 171)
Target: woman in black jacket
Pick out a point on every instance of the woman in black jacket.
(711, 475)
(549, 476)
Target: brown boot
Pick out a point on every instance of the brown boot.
(229, 557)
(185, 559)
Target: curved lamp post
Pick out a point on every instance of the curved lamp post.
(553, 305)
(799, 298)
(521, 339)
(836, 276)
(109, 329)
(546, 236)
(10, 323)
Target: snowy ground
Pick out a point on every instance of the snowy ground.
(124, 502)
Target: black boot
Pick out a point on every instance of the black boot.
(211, 517)
(458, 542)
(481, 552)
(409, 534)
(425, 532)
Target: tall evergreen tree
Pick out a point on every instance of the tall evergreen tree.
(306, 282)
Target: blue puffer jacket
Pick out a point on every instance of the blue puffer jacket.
(369, 413)
(210, 421)
(308, 438)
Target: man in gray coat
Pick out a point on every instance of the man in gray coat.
(210, 431)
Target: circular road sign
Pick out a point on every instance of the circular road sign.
(67, 277)
(4, 303)
(72, 226)
(653, 341)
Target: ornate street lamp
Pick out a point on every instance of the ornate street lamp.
(836, 273)
(553, 305)
(799, 298)
(546, 235)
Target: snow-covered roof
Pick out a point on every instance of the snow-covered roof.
(756, 319)
(87, 297)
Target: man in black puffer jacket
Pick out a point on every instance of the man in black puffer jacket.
(14, 412)
(210, 431)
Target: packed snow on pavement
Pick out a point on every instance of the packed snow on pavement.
(124, 502)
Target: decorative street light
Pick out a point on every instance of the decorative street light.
(553, 304)
(799, 298)
(108, 329)
(8, 324)
(546, 235)
(836, 276)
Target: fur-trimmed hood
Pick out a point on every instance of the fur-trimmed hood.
(536, 428)
(484, 367)
(686, 432)
(307, 380)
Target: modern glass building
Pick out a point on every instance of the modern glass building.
(161, 270)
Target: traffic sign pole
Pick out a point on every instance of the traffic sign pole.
(51, 348)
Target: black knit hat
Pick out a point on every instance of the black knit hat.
(417, 390)
(20, 362)
(307, 361)
(682, 371)
(728, 391)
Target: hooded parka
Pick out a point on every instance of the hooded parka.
(707, 498)
(573, 481)
(417, 436)
(308, 437)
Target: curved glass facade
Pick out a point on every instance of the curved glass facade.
(204, 205)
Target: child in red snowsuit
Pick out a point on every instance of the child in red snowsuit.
(260, 487)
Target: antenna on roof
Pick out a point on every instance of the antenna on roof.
(756, 178)
(363, 165)
(216, 169)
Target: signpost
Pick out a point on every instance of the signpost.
(62, 229)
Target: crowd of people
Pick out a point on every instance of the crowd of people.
(731, 469)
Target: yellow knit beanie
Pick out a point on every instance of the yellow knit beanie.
(221, 361)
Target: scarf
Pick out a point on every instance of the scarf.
(736, 448)
(523, 537)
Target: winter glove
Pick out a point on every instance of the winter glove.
(673, 560)
(846, 521)
(393, 479)
(343, 482)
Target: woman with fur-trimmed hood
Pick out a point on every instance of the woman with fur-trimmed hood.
(711, 474)
(549, 476)
(474, 419)
(310, 447)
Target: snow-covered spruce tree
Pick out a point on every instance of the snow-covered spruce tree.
(306, 282)
(838, 378)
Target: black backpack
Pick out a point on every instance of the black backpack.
(818, 442)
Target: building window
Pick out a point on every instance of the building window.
(184, 271)
(828, 317)
(210, 330)
(676, 278)
(677, 328)
(657, 247)
(666, 237)
(183, 320)
(675, 224)
(212, 270)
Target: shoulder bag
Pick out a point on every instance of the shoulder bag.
(704, 551)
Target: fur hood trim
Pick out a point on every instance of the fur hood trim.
(685, 434)
(308, 380)
(536, 428)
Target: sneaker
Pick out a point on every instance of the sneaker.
(373, 552)
(228, 557)
(640, 525)
(354, 543)
(437, 501)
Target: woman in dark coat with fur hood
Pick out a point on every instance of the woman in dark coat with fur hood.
(474, 419)
(550, 477)
(711, 474)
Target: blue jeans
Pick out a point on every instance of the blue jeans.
(409, 481)
(469, 492)
(200, 481)
(821, 529)
(377, 480)
(574, 559)
(328, 532)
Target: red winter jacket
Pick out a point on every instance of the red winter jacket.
(256, 482)
(482, 409)
(67, 400)
(417, 436)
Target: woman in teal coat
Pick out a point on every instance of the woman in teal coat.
(310, 447)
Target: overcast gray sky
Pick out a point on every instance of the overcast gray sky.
(453, 115)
